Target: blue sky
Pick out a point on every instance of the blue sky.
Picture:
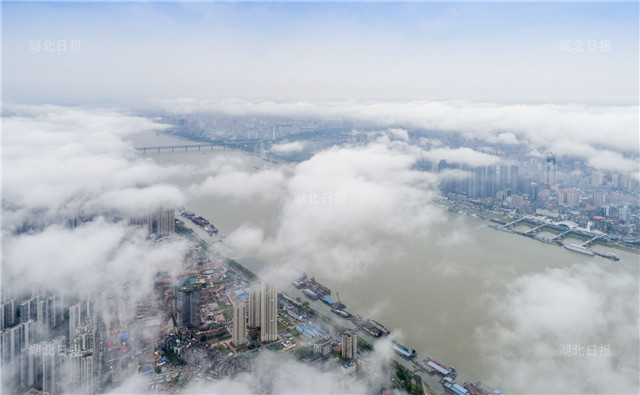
(505, 52)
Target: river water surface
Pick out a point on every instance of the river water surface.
(441, 290)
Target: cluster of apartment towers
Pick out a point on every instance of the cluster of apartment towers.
(263, 314)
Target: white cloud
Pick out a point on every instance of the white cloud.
(287, 148)
(507, 138)
(94, 256)
(341, 207)
(246, 238)
(63, 163)
(230, 181)
(461, 155)
(399, 133)
(135, 202)
(602, 128)
(583, 305)
(59, 162)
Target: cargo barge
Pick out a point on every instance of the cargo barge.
(372, 327)
(198, 220)
(403, 351)
(435, 367)
(580, 249)
(310, 294)
(341, 313)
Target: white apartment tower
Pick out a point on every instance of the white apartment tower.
(254, 305)
(269, 313)
(239, 335)
(349, 346)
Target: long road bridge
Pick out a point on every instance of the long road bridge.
(172, 148)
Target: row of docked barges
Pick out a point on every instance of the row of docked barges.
(198, 220)
(316, 291)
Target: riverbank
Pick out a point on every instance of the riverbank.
(501, 219)
(323, 312)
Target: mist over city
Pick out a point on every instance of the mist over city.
(320, 198)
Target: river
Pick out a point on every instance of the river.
(438, 294)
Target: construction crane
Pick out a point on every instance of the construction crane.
(339, 305)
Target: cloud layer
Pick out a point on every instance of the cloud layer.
(287, 148)
(605, 136)
(61, 162)
(583, 307)
(340, 208)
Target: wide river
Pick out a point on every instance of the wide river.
(436, 296)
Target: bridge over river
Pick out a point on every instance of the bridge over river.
(173, 148)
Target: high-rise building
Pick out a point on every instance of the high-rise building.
(516, 201)
(569, 197)
(87, 374)
(9, 313)
(28, 309)
(239, 335)
(51, 359)
(160, 223)
(28, 367)
(187, 307)
(615, 180)
(533, 192)
(11, 343)
(476, 184)
(29, 333)
(349, 345)
(513, 179)
(596, 179)
(254, 305)
(490, 182)
(268, 313)
(502, 184)
(194, 308)
(442, 166)
(43, 315)
(624, 213)
(550, 170)
(599, 198)
(3, 324)
(79, 373)
(75, 320)
(322, 346)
